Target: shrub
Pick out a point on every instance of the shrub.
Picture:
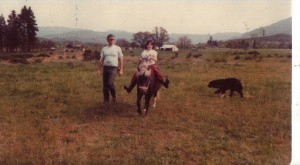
(43, 55)
(26, 55)
(87, 52)
(237, 58)
(254, 57)
(97, 55)
(5, 57)
(189, 55)
(197, 55)
(208, 60)
(254, 52)
(220, 60)
(19, 60)
(38, 60)
(238, 53)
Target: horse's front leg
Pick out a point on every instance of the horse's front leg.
(154, 102)
(138, 103)
(147, 102)
(155, 95)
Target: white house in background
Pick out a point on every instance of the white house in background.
(172, 48)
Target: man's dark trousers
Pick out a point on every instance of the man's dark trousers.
(109, 75)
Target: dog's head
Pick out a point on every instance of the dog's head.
(214, 84)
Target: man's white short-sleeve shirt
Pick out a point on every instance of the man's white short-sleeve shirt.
(111, 54)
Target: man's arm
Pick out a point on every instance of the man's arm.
(121, 65)
(100, 66)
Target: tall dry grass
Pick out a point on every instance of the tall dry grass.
(53, 114)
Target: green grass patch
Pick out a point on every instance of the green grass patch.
(53, 114)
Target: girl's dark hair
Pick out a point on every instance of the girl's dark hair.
(149, 41)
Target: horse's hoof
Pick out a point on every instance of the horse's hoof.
(139, 112)
(127, 89)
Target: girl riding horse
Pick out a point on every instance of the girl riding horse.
(149, 59)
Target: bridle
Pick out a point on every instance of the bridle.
(144, 88)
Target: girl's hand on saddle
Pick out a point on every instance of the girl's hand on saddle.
(153, 59)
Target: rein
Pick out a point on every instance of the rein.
(146, 87)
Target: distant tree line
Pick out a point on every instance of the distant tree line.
(211, 42)
(159, 35)
(240, 44)
(257, 44)
(19, 33)
(184, 42)
(272, 42)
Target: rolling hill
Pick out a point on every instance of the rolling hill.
(83, 35)
(281, 27)
(70, 34)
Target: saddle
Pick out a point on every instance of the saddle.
(144, 69)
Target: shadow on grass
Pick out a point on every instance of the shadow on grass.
(107, 110)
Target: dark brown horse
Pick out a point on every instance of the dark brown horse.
(148, 86)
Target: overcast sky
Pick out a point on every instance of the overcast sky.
(176, 16)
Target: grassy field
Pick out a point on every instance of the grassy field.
(53, 113)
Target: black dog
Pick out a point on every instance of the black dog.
(231, 84)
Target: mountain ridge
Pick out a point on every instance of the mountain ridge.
(281, 27)
(57, 33)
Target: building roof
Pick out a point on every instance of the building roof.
(168, 46)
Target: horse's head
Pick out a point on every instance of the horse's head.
(147, 86)
(144, 80)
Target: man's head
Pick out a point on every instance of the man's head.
(111, 39)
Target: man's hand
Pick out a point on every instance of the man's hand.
(99, 73)
(120, 72)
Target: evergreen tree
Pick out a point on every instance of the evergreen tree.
(32, 29)
(23, 19)
(28, 29)
(2, 32)
(12, 38)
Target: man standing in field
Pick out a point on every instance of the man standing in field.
(111, 63)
